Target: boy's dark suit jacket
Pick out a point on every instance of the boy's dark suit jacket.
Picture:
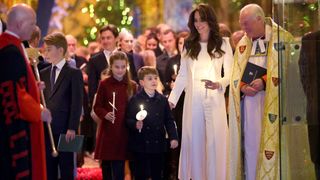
(96, 65)
(65, 100)
(309, 64)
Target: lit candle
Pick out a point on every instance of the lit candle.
(113, 103)
(175, 69)
(141, 115)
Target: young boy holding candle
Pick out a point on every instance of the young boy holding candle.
(147, 137)
(112, 98)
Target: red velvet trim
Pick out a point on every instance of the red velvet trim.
(36, 128)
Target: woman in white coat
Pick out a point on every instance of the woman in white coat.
(204, 126)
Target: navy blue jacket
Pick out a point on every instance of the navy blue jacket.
(65, 100)
(159, 120)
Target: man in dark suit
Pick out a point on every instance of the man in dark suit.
(63, 94)
(169, 42)
(100, 61)
(86, 124)
(309, 64)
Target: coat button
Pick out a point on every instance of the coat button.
(148, 127)
(157, 141)
(147, 142)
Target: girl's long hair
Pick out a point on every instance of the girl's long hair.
(118, 55)
(192, 43)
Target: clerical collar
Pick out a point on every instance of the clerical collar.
(256, 38)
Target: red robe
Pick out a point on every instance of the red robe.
(26, 108)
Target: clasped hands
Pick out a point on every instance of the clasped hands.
(253, 88)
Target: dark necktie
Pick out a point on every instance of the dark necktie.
(53, 76)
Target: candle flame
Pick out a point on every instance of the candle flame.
(141, 107)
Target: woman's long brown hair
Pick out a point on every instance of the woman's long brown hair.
(192, 43)
(118, 55)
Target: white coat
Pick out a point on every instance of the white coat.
(205, 159)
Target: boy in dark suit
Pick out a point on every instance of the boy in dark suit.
(63, 94)
(147, 139)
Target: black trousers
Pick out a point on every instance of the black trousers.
(65, 162)
(148, 165)
(112, 170)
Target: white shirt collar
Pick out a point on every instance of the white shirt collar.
(12, 33)
(108, 54)
(60, 64)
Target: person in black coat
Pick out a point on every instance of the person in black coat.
(309, 65)
(170, 50)
(147, 138)
(63, 95)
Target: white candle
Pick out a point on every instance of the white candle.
(141, 115)
(113, 103)
(175, 69)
